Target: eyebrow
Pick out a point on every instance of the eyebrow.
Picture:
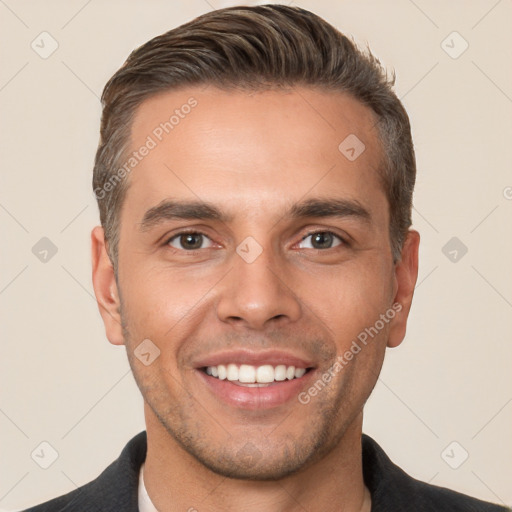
(330, 208)
(201, 210)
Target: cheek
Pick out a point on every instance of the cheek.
(351, 297)
(159, 295)
(167, 306)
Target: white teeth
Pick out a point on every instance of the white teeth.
(299, 372)
(232, 372)
(280, 372)
(223, 373)
(249, 374)
(265, 373)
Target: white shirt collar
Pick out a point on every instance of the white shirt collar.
(145, 503)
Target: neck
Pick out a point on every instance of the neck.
(177, 481)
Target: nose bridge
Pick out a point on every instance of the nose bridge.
(255, 292)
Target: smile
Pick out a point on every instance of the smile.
(255, 388)
(249, 374)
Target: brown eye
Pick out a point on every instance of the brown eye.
(189, 241)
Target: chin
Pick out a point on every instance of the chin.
(264, 470)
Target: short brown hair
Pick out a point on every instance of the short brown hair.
(254, 48)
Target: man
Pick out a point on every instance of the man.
(254, 178)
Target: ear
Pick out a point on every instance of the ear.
(105, 287)
(406, 274)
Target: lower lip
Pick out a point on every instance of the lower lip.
(254, 398)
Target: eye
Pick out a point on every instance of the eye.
(320, 240)
(189, 241)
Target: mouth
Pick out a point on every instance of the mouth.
(254, 376)
(254, 382)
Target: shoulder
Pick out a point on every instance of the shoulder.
(60, 504)
(394, 490)
(115, 489)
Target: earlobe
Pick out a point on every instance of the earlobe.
(105, 287)
(406, 274)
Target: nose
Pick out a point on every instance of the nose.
(257, 294)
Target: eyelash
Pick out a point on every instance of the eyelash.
(343, 240)
(181, 233)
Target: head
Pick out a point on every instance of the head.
(252, 49)
(283, 152)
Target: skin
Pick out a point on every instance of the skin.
(254, 155)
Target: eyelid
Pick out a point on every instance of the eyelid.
(185, 231)
(345, 239)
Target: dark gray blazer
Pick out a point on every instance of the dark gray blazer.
(392, 490)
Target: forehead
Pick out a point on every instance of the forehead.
(253, 152)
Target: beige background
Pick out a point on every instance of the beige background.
(63, 383)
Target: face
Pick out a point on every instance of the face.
(250, 241)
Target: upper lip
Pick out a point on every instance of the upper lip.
(272, 357)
